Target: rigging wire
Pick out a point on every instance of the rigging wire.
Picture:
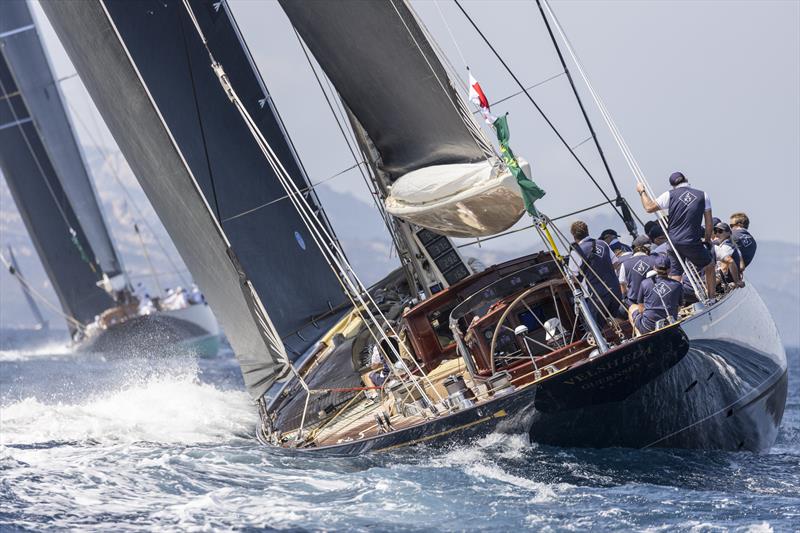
(450, 32)
(514, 95)
(694, 278)
(42, 298)
(343, 130)
(284, 197)
(319, 233)
(539, 109)
(279, 119)
(115, 174)
(73, 234)
(457, 103)
(626, 212)
(525, 228)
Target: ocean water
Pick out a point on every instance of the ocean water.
(93, 443)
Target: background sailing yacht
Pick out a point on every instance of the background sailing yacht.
(48, 177)
(262, 367)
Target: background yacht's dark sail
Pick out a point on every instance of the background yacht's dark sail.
(387, 73)
(41, 322)
(27, 60)
(149, 76)
(42, 203)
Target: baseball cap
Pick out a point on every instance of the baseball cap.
(655, 232)
(676, 178)
(609, 232)
(722, 226)
(662, 262)
(641, 240)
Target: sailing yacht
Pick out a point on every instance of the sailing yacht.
(437, 351)
(48, 178)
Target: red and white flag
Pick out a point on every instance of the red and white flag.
(477, 97)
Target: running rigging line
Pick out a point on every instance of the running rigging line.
(693, 276)
(354, 289)
(115, 173)
(541, 112)
(73, 234)
(620, 201)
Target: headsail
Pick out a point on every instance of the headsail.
(442, 170)
(43, 205)
(27, 60)
(244, 243)
(387, 73)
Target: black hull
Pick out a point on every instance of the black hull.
(146, 336)
(612, 378)
(719, 396)
(659, 391)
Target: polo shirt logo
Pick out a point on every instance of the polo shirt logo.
(641, 267)
(687, 197)
(599, 251)
(745, 240)
(661, 289)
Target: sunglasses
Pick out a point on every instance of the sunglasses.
(717, 230)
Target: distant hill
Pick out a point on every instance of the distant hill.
(775, 272)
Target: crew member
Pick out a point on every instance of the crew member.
(634, 268)
(611, 238)
(659, 245)
(687, 209)
(660, 298)
(740, 227)
(727, 256)
(380, 370)
(591, 261)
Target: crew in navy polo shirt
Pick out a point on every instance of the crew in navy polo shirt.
(687, 211)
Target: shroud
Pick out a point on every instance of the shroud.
(244, 243)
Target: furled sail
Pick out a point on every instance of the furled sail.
(441, 166)
(244, 243)
(48, 216)
(26, 58)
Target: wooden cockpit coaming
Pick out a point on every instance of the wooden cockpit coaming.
(427, 324)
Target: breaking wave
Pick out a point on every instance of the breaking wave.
(161, 410)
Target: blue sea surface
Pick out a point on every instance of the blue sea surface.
(89, 442)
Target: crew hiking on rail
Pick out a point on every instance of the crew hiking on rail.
(649, 279)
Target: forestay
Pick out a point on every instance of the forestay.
(247, 248)
(28, 62)
(40, 199)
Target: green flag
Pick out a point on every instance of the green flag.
(530, 191)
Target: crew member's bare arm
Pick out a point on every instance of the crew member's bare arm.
(709, 222)
(648, 203)
(733, 270)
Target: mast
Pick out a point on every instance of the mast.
(627, 216)
(402, 106)
(27, 59)
(238, 233)
(51, 222)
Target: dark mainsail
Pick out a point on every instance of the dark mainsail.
(43, 204)
(26, 58)
(388, 75)
(148, 73)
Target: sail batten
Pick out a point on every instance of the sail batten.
(29, 164)
(27, 59)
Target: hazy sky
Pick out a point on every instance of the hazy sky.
(711, 88)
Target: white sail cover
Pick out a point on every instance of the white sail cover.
(459, 200)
